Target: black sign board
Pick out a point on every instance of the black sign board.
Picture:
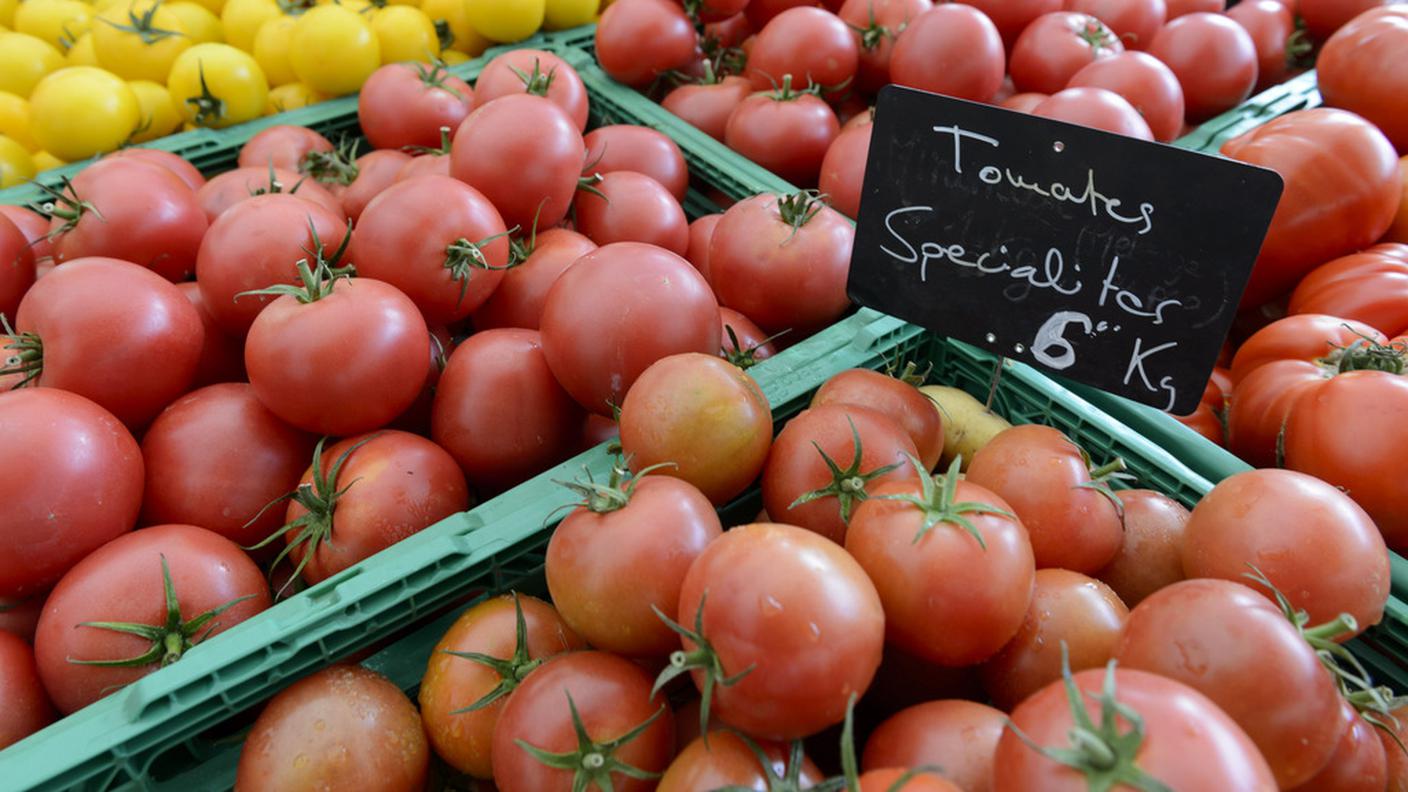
(1102, 258)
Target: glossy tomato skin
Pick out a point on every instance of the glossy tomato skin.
(616, 311)
(1146, 83)
(704, 417)
(1323, 18)
(1178, 8)
(1261, 405)
(781, 279)
(843, 169)
(1056, 46)
(1362, 69)
(625, 206)
(1040, 472)
(144, 214)
(956, 735)
(221, 357)
(725, 760)
(1200, 632)
(1301, 336)
(100, 320)
(406, 104)
(1134, 21)
(751, 338)
(216, 457)
(1014, 16)
(611, 695)
(1370, 286)
(465, 740)
(369, 733)
(887, 18)
(241, 184)
(1215, 60)
(910, 409)
(35, 228)
(1270, 23)
(16, 266)
(812, 44)
(397, 484)
(1308, 538)
(282, 146)
(787, 135)
(1179, 722)
(431, 163)
(564, 88)
(376, 170)
(405, 238)
(637, 40)
(347, 363)
(629, 147)
(1151, 556)
(524, 153)
(815, 640)
(1023, 102)
(499, 411)
(122, 582)
(901, 779)
(519, 298)
(950, 49)
(708, 106)
(1360, 760)
(1096, 108)
(166, 159)
(701, 232)
(24, 706)
(20, 615)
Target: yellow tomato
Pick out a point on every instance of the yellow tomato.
(563, 14)
(58, 22)
(506, 20)
(213, 6)
(243, 18)
(271, 49)
(15, 119)
(7, 12)
(24, 60)
(451, 57)
(291, 97)
(405, 34)
(82, 52)
(16, 165)
(455, 15)
(216, 85)
(43, 161)
(201, 24)
(139, 40)
(334, 49)
(159, 115)
(80, 111)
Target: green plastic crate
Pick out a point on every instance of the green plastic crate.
(1299, 93)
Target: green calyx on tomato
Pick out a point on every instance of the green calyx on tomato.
(143, 26)
(295, 7)
(615, 493)
(593, 763)
(209, 108)
(64, 203)
(874, 33)
(511, 671)
(703, 657)
(791, 779)
(1366, 354)
(463, 257)
(848, 485)
(937, 502)
(338, 166)
(1099, 752)
(442, 151)
(798, 209)
(170, 641)
(535, 82)
(318, 278)
(1102, 476)
(24, 355)
(1097, 35)
(746, 358)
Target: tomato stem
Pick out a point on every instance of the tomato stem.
(511, 670)
(536, 82)
(616, 493)
(938, 501)
(26, 355)
(462, 257)
(847, 486)
(798, 209)
(703, 658)
(746, 358)
(338, 166)
(143, 26)
(209, 108)
(593, 763)
(434, 75)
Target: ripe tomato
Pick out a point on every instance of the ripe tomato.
(34, 226)
(782, 261)
(1014, 16)
(1202, 632)
(338, 728)
(499, 411)
(1360, 760)
(1047, 479)
(708, 105)
(576, 704)
(843, 169)
(1214, 58)
(221, 356)
(1023, 102)
(16, 266)
(406, 104)
(876, 24)
(334, 49)
(376, 170)
(1146, 83)
(540, 260)
(220, 439)
(637, 40)
(1304, 337)
(1369, 287)
(1307, 537)
(283, 146)
(131, 210)
(1176, 722)
(157, 592)
(784, 131)
(958, 736)
(798, 611)
(20, 615)
(172, 162)
(811, 44)
(744, 344)
(618, 310)
(898, 398)
(24, 706)
(240, 184)
(726, 761)
(25, 61)
(430, 163)
(1134, 21)
(701, 232)
(1178, 8)
(536, 72)
(405, 34)
(1271, 25)
(454, 681)
(216, 86)
(1323, 18)
(139, 40)
(1056, 46)
(77, 111)
(1151, 556)
(1097, 108)
(951, 49)
(1362, 66)
(627, 147)
(524, 153)
(625, 206)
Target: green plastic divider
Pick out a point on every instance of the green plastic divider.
(1298, 93)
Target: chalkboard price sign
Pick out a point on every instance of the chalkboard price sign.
(1095, 256)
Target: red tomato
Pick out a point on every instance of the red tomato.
(1205, 422)
(524, 153)
(897, 397)
(376, 170)
(20, 615)
(760, 12)
(902, 779)
(89, 325)
(1096, 108)
(784, 131)
(216, 457)
(1177, 722)
(701, 232)
(1370, 287)
(282, 146)
(1145, 82)
(1323, 18)
(727, 761)
(1014, 16)
(876, 24)
(221, 356)
(431, 163)
(708, 105)
(166, 159)
(16, 267)
(240, 184)
(436, 239)
(1044, 476)
(337, 729)
(951, 49)
(1023, 102)
(1056, 46)
(1307, 537)
(1214, 58)
(744, 343)
(957, 736)
(406, 104)
(132, 210)
(638, 40)
(1360, 761)
(180, 582)
(613, 704)
(1178, 8)
(536, 72)
(627, 147)
(1362, 67)
(618, 310)
(625, 206)
(843, 169)
(1271, 24)
(811, 44)
(1397, 757)
(799, 611)
(453, 682)
(1134, 21)
(1303, 337)
(34, 226)
(1202, 632)
(1151, 556)
(24, 707)
(518, 300)
(730, 32)
(499, 411)
(782, 261)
